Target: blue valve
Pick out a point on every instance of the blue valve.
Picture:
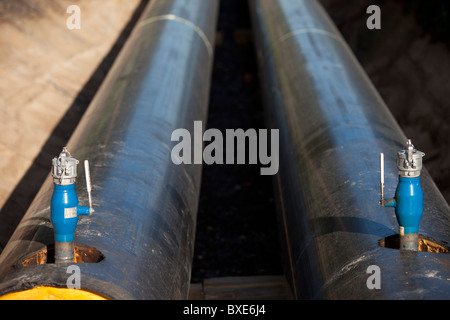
(64, 205)
(408, 200)
(408, 203)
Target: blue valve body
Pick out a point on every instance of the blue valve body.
(408, 203)
(65, 211)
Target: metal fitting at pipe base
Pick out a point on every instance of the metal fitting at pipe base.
(64, 252)
(409, 241)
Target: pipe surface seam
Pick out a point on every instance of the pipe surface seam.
(172, 17)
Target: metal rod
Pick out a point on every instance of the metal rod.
(88, 183)
(382, 177)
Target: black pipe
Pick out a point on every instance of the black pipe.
(333, 126)
(140, 240)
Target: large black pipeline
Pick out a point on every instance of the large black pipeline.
(139, 242)
(333, 126)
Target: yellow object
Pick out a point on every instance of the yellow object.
(51, 293)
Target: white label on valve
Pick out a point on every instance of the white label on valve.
(70, 213)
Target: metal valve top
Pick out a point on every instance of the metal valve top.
(409, 161)
(64, 168)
